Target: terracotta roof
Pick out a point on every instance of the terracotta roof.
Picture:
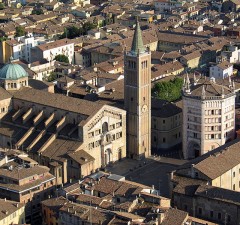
(81, 157)
(211, 89)
(4, 94)
(55, 44)
(21, 173)
(179, 38)
(89, 199)
(224, 65)
(219, 194)
(58, 101)
(174, 217)
(8, 208)
(21, 188)
(221, 161)
(164, 109)
(55, 203)
(107, 186)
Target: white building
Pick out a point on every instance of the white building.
(42, 69)
(230, 53)
(20, 47)
(208, 116)
(50, 50)
(162, 6)
(221, 70)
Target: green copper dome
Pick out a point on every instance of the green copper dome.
(12, 71)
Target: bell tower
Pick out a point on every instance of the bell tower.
(137, 97)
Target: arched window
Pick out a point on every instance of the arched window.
(105, 127)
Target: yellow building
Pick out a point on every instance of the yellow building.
(11, 212)
(49, 208)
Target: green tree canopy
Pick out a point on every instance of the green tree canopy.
(1, 6)
(73, 31)
(20, 31)
(52, 77)
(168, 90)
(37, 11)
(62, 58)
(3, 39)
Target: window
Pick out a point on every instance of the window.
(155, 139)
(164, 140)
(185, 208)
(163, 121)
(229, 218)
(97, 132)
(119, 124)
(219, 216)
(60, 172)
(112, 127)
(105, 127)
(234, 187)
(233, 174)
(211, 214)
(212, 112)
(200, 211)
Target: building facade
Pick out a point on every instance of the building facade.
(137, 97)
(24, 181)
(50, 50)
(12, 212)
(208, 116)
(73, 137)
(208, 187)
(166, 124)
(222, 70)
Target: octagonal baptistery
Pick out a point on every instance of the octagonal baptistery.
(13, 76)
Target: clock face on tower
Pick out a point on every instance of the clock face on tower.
(144, 108)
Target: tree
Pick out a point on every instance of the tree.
(89, 26)
(168, 90)
(62, 58)
(3, 39)
(52, 77)
(37, 11)
(1, 6)
(20, 31)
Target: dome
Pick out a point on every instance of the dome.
(12, 71)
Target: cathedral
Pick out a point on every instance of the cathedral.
(75, 137)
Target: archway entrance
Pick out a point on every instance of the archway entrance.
(119, 154)
(194, 150)
(107, 156)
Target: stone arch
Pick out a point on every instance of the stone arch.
(119, 154)
(194, 149)
(107, 156)
(104, 127)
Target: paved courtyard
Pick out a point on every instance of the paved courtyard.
(151, 171)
